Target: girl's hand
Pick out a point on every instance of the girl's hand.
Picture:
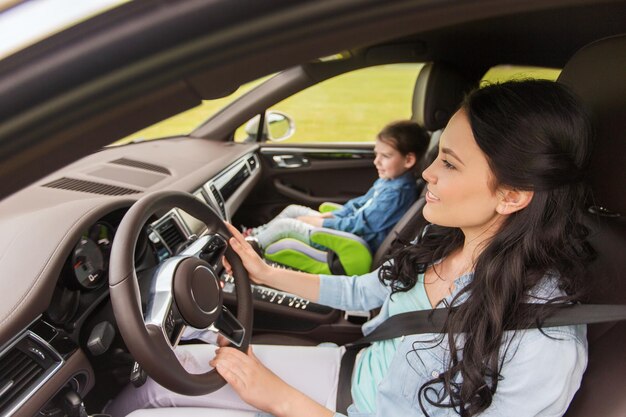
(254, 264)
(253, 382)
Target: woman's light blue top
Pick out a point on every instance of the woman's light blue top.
(374, 361)
(540, 372)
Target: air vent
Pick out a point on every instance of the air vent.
(141, 165)
(19, 372)
(219, 200)
(24, 366)
(89, 187)
(170, 234)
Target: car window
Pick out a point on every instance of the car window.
(351, 107)
(503, 73)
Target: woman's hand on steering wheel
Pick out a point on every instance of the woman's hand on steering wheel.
(254, 264)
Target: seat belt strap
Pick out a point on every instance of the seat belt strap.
(432, 321)
(344, 385)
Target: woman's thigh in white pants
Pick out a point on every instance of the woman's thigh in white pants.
(312, 370)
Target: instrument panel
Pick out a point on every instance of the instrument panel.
(89, 260)
(83, 280)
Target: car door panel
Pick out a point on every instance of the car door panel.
(308, 175)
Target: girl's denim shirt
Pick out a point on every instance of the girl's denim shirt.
(540, 372)
(373, 215)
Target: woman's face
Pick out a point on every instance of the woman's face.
(459, 192)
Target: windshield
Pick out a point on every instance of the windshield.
(23, 23)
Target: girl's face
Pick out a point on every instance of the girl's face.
(389, 162)
(459, 192)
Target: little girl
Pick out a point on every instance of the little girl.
(399, 147)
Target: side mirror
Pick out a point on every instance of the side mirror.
(278, 126)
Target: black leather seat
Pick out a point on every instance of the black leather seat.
(597, 75)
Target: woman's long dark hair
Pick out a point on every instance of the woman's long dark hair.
(536, 136)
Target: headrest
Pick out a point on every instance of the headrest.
(439, 89)
(596, 74)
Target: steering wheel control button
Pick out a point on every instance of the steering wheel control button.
(229, 327)
(170, 324)
(214, 249)
(138, 376)
(228, 284)
(197, 292)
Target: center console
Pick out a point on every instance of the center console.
(271, 297)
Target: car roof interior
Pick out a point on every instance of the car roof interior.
(531, 39)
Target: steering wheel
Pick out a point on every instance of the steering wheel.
(185, 292)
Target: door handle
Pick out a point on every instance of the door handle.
(289, 161)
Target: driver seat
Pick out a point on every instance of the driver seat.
(596, 75)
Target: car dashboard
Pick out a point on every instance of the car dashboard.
(57, 330)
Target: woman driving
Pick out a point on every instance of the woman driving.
(504, 199)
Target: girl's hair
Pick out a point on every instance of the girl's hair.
(535, 136)
(406, 137)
